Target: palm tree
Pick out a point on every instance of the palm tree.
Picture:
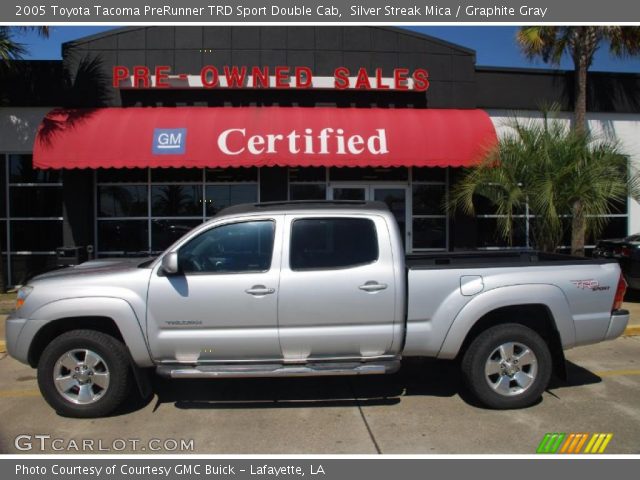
(12, 50)
(557, 172)
(580, 43)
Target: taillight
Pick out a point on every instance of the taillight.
(625, 251)
(620, 291)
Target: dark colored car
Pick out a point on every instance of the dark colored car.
(627, 252)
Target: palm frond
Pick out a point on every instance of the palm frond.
(548, 168)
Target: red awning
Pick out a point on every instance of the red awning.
(262, 136)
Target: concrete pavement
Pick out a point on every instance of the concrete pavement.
(420, 410)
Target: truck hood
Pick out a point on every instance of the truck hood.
(95, 267)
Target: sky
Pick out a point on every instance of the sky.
(494, 46)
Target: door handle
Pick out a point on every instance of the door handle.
(258, 290)
(373, 286)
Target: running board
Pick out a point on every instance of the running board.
(278, 370)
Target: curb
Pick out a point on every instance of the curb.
(631, 331)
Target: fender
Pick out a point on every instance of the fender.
(115, 308)
(542, 294)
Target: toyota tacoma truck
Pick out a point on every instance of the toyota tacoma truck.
(303, 289)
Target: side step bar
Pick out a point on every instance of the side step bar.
(278, 370)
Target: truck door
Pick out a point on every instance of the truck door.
(337, 288)
(223, 303)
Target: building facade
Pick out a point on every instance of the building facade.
(142, 210)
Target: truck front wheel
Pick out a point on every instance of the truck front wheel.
(84, 374)
(507, 366)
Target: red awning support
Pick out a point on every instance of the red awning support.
(263, 137)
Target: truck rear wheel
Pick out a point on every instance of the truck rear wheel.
(507, 366)
(84, 374)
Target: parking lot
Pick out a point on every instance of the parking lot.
(422, 409)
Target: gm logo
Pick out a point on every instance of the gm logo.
(169, 141)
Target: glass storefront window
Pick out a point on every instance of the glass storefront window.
(122, 201)
(176, 200)
(166, 231)
(429, 199)
(21, 171)
(308, 183)
(429, 233)
(308, 191)
(32, 217)
(164, 205)
(35, 235)
(36, 201)
(308, 174)
(222, 196)
(430, 220)
(123, 236)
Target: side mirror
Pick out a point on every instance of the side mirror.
(170, 263)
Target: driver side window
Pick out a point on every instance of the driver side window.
(234, 248)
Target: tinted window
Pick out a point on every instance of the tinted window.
(122, 201)
(222, 196)
(123, 236)
(176, 200)
(21, 171)
(322, 243)
(36, 201)
(35, 236)
(239, 247)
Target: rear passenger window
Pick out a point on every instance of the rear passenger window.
(325, 243)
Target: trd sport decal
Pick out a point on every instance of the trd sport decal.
(590, 284)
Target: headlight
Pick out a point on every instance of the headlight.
(23, 293)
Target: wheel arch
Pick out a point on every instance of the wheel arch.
(112, 316)
(535, 316)
(57, 327)
(543, 308)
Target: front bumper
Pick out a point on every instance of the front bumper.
(617, 324)
(13, 329)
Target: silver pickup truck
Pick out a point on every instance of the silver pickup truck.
(301, 289)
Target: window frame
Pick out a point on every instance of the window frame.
(444, 216)
(10, 251)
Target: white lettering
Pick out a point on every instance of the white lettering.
(20, 444)
(222, 141)
(381, 140)
(254, 142)
(271, 142)
(354, 143)
(236, 141)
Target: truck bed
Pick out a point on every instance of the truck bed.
(493, 258)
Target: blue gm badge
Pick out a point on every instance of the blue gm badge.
(169, 141)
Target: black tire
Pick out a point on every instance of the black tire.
(115, 357)
(487, 343)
